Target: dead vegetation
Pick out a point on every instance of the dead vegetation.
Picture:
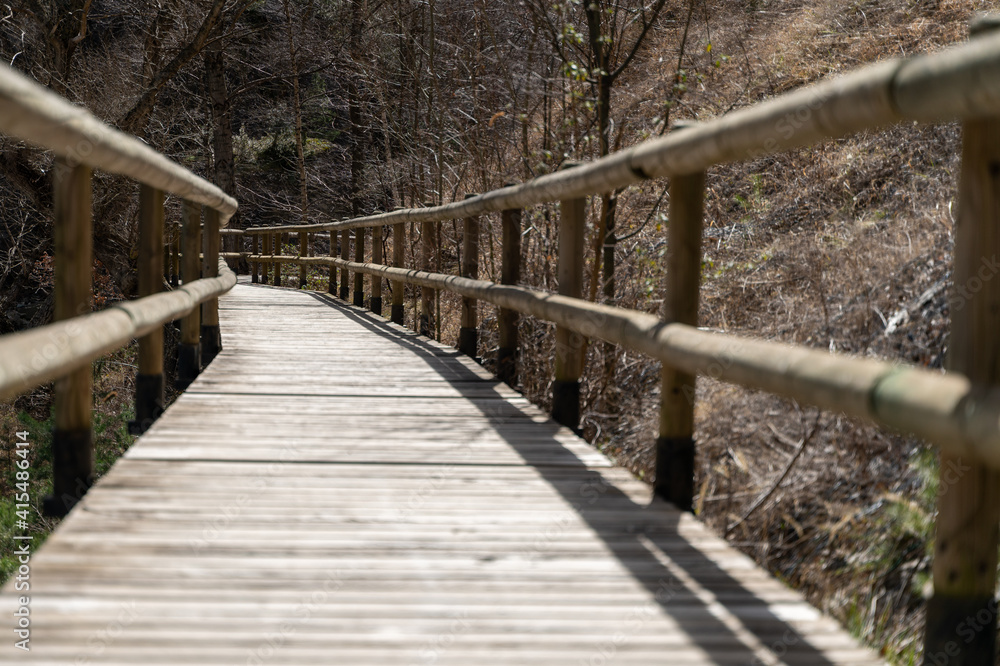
(844, 246)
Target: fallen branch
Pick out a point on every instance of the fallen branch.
(800, 446)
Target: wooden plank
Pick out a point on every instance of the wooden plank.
(335, 489)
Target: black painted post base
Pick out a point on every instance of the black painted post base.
(188, 365)
(211, 343)
(507, 365)
(468, 341)
(359, 299)
(375, 305)
(675, 471)
(149, 402)
(343, 292)
(398, 314)
(960, 631)
(253, 278)
(173, 281)
(566, 403)
(72, 462)
(302, 284)
(424, 326)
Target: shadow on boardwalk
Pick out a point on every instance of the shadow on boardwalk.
(683, 580)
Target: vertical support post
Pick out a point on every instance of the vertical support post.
(303, 252)
(510, 273)
(345, 254)
(275, 266)
(72, 441)
(332, 285)
(254, 265)
(167, 263)
(569, 345)
(211, 338)
(359, 257)
(426, 293)
(398, 259)
(376, 299)
(176, 258)
(265, 266)
(468, 334)
(965, 547)
(425, 324)
(675, 444)
(149, 397)
(276, 251)
(189, 349)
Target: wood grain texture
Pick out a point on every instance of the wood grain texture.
(210, 266)
(30, 358)
(73, 225)
(337, 489)
(150, 280)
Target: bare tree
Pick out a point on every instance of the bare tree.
(596, 41)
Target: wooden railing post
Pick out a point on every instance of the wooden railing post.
(276, 267)
(359, 257)
(965, 546)
(569, 345)
(166, 263)
(332, 282)
(345, 254)
(265, 251)
(376, 300)
(425, 325)
(149, 396)
(675, 444)
(189, 350)
(398, 259)
(211, 337)
(468, 334)
(510, 273)
(303, 252)
(254, 265)
(176, 258)
(72, 441)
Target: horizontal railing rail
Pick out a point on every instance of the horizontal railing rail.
(957, 410)
(941, 408)
(31, 358)
(38, 116)
(62, 351)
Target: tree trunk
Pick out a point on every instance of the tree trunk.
(605, 240)
(222, 133)
(354, 113)
(297, 101)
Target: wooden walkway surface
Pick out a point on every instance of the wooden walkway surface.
(336, 490)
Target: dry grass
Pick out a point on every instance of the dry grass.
(846, 247)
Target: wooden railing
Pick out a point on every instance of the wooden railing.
(958, 410)
(63, 350)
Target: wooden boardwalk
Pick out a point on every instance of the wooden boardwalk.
(336, 490)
